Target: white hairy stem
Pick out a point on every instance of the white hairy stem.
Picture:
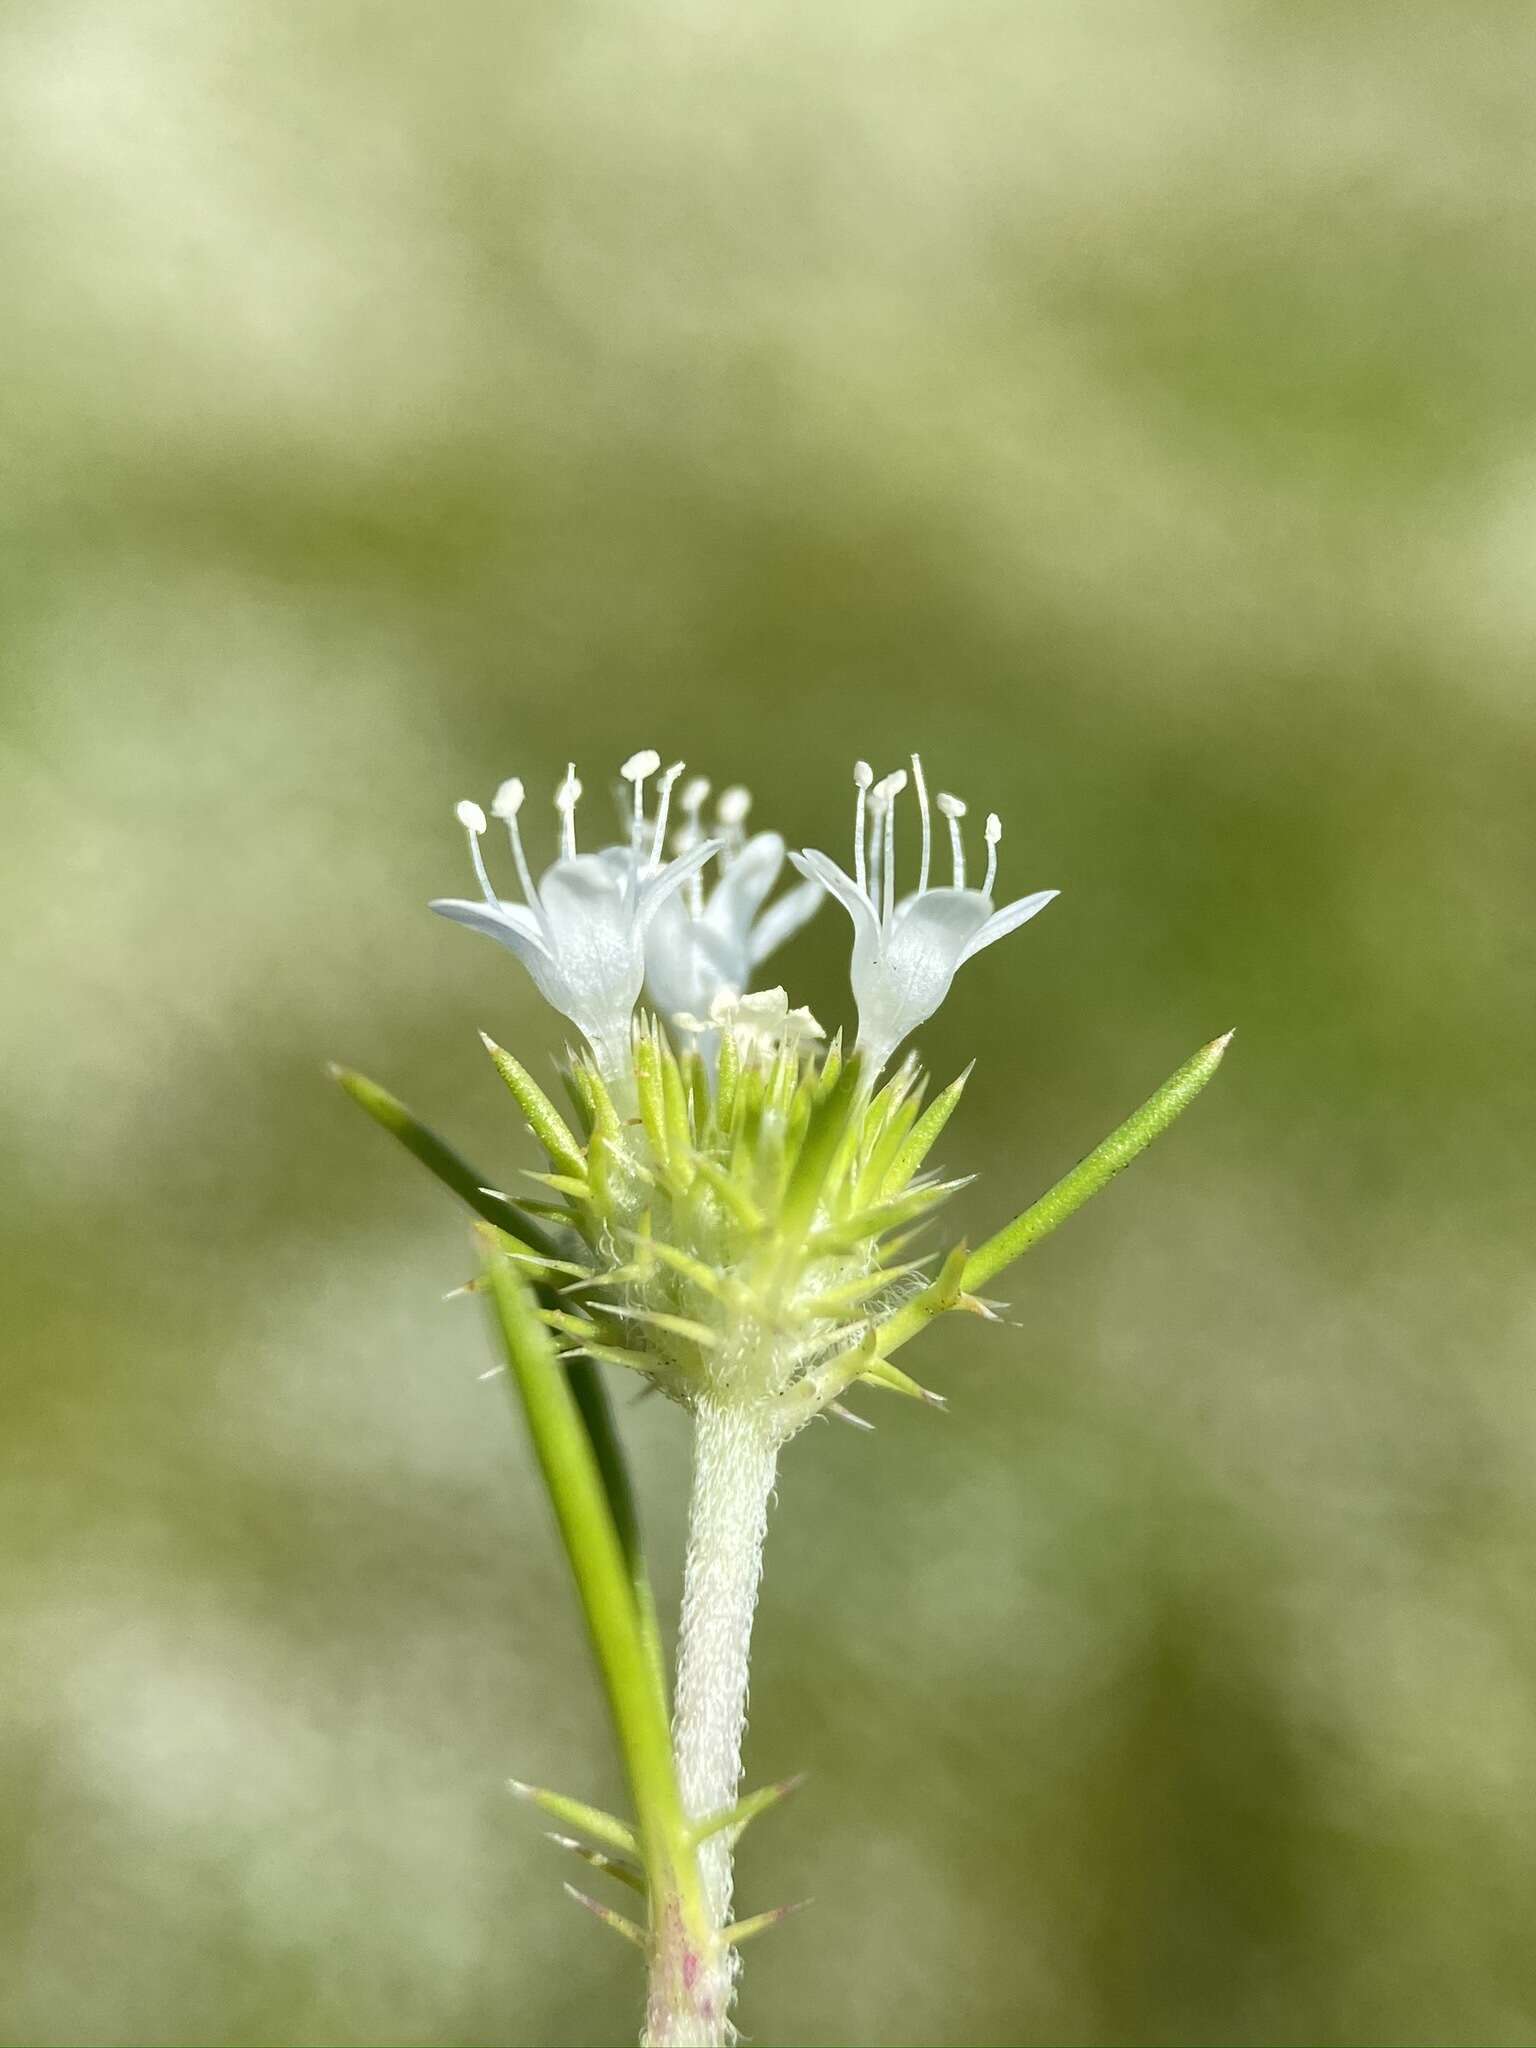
(734, 1457)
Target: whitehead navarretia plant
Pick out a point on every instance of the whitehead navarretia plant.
(734, 1212)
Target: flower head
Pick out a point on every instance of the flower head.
(581, 931)
(906, 950)
(758, 1023)
(700, 947)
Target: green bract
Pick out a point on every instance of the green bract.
(738, 1238)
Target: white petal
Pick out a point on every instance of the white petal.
(781, 920)
(816, 867)
(1009, 918)
(743, 889)
(911, 978)
(655, 890)
(511, 925)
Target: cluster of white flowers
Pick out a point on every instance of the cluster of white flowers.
(598, 928)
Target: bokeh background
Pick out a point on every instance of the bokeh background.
(1131, 405)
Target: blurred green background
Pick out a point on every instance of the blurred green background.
(1131, 405)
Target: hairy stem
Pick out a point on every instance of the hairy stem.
(734, 1457)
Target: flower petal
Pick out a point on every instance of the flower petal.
(816, 867)
(743, 888)
(1009, 918)
(656, 888)
(512, 925)
(781, 920)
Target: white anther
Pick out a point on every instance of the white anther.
(994, 828)
(638, 766)
(733, 806)
(954, 810)
(863, 775)
(508, 800)
(885, 793)
(663, 799)
(567, 797)
(472, 818)
(692, 796)
(922, 804)
(994, 833)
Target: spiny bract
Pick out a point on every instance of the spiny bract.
(739, 1242)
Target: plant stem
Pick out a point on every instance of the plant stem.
(734, 1457)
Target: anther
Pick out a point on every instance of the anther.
(635, 770)
(506, 804)
(863, 776)
(886, 792)
(922, 804)
(733, 806)
(954, 810)
(663, 799)
(567, 797)
(472, 818)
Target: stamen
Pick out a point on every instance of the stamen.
(863, 776)
(878, 807)
(922, 804)
(506, 804)
(635, 770)
(688, 835)
(954, 810)
(567, 796)
(731, 811)
(890, 789)
(994, 833)
(472, 818)
(663, 800)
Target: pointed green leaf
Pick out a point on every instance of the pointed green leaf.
(544, 1120)
(599, 1859)
(441, 1159)
(1097, 1170)
(609, 1918)
(591, 1820)
(736, 1817)
(925, 1135)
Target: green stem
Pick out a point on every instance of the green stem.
(681, 1942)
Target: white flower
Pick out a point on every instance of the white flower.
(581, 932)
(758, 1023)
(906, 951)
(699, 947)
